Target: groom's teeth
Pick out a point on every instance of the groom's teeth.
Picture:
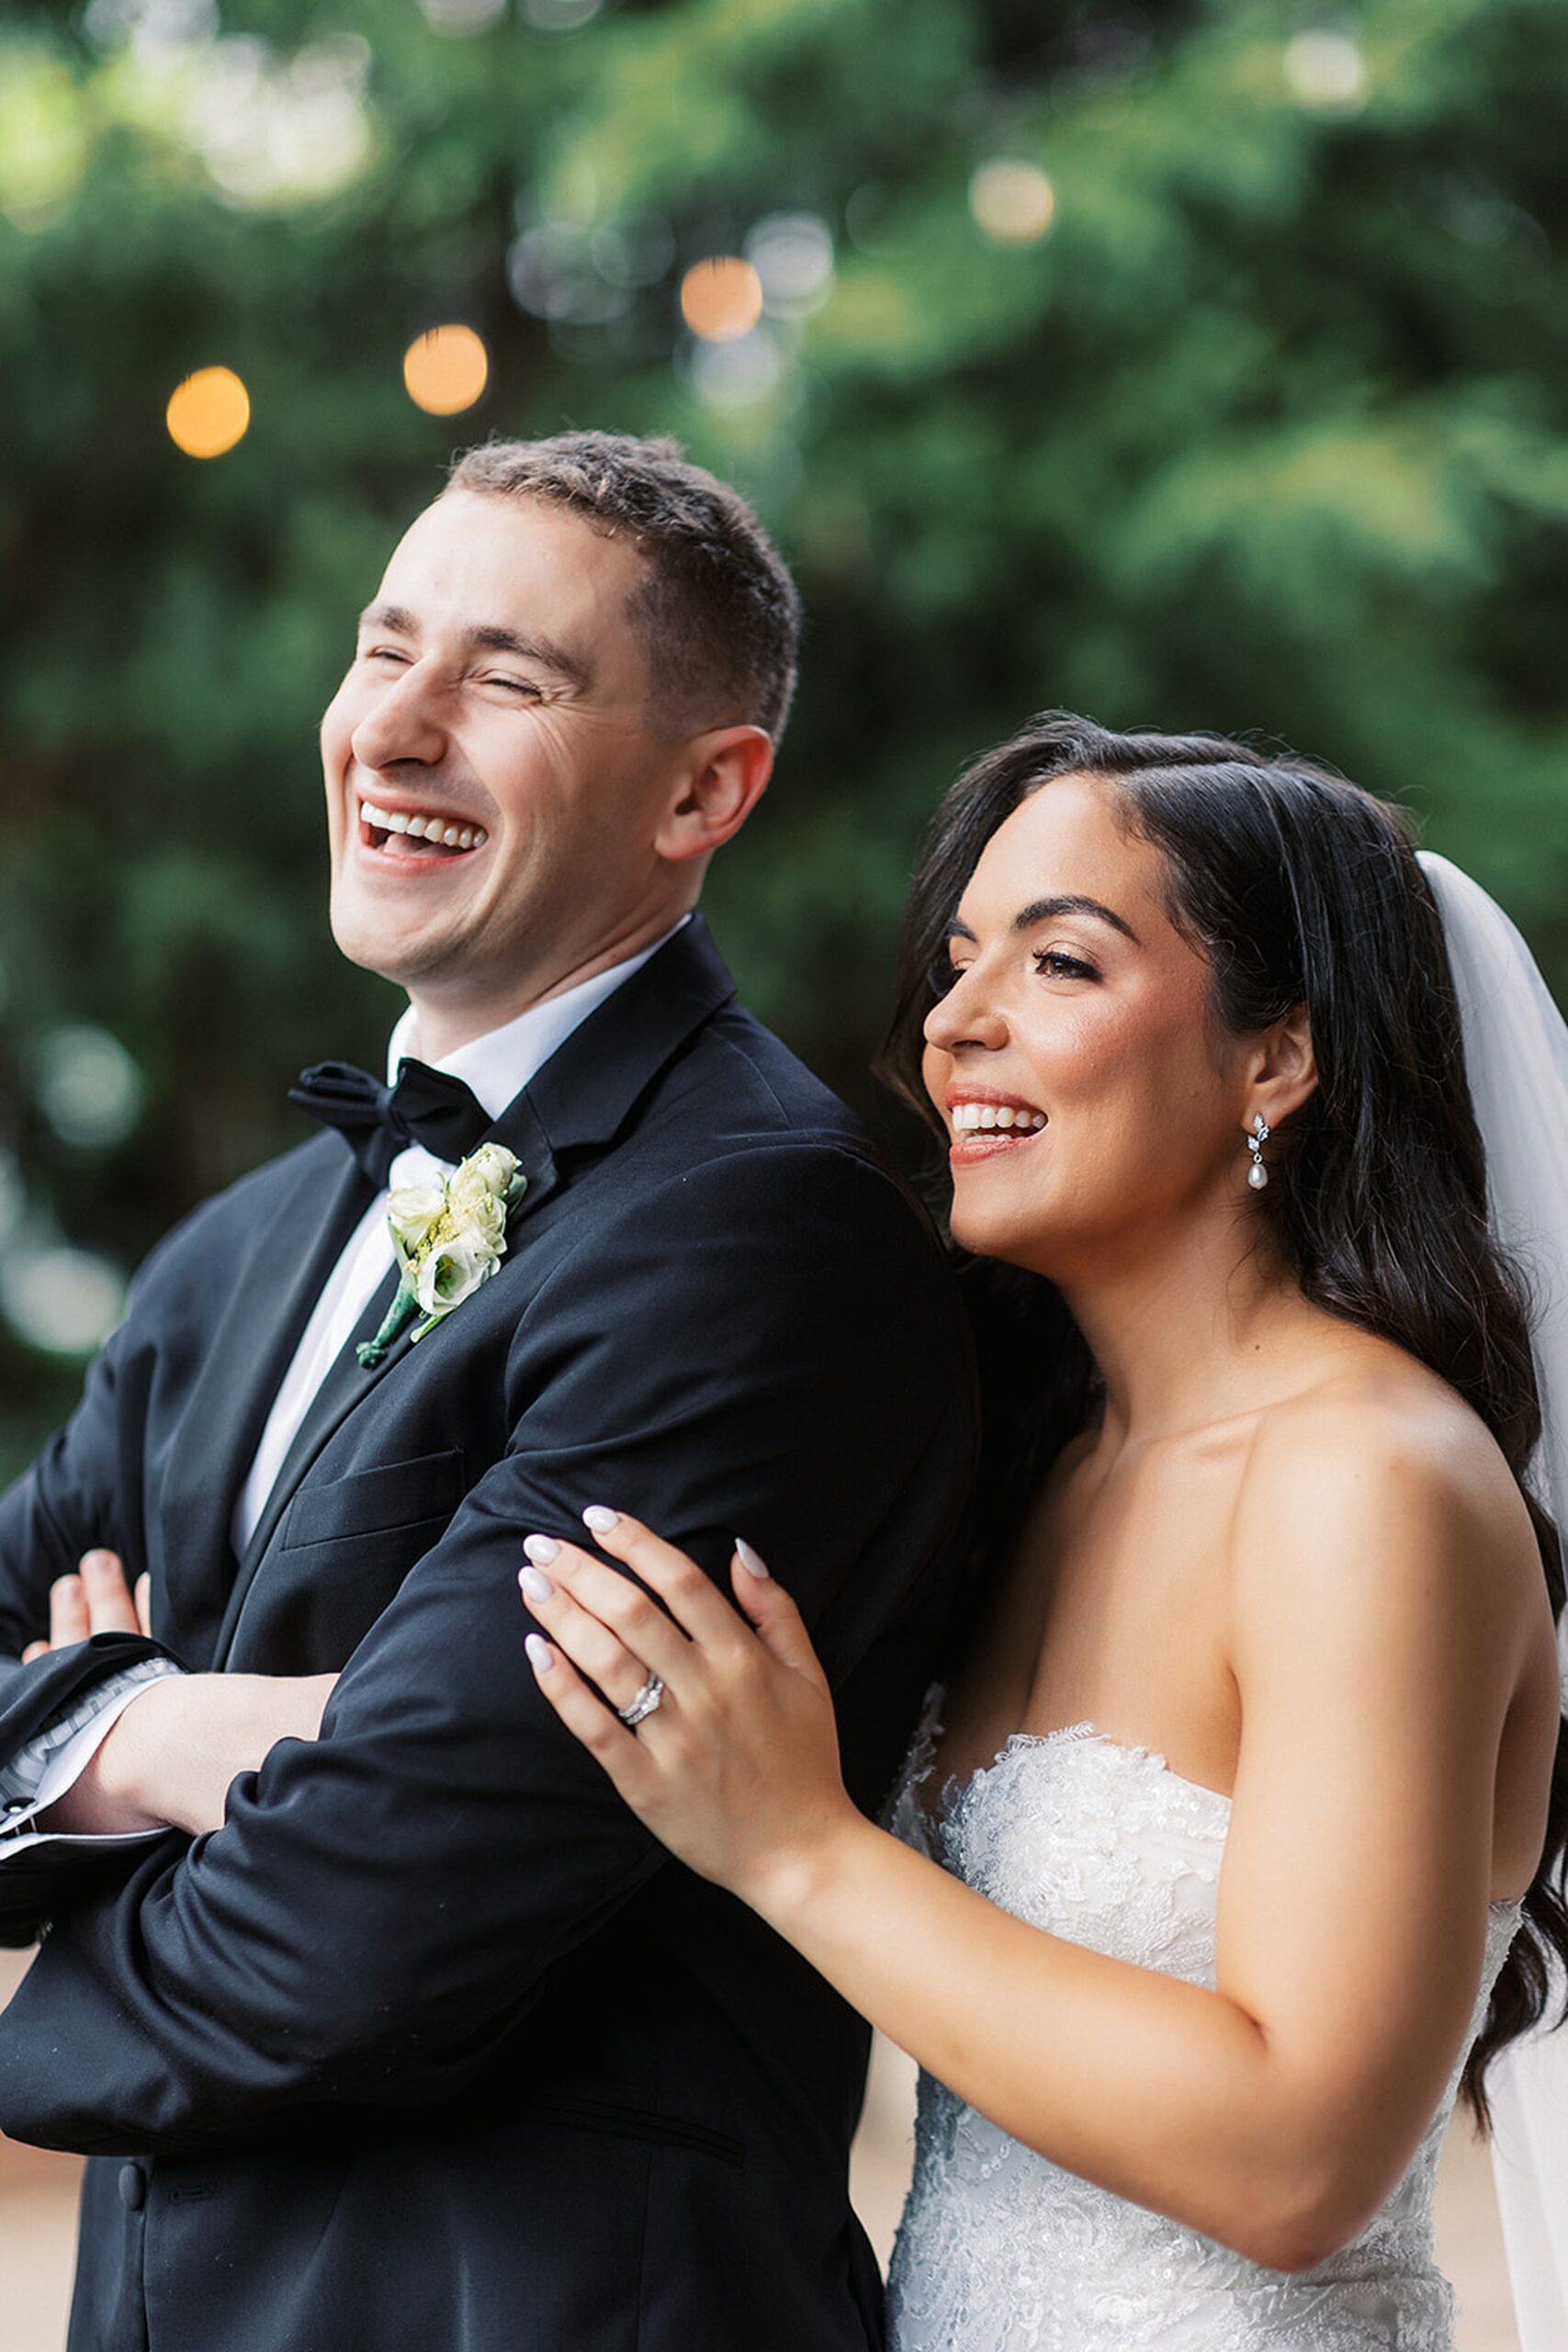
(429, 828)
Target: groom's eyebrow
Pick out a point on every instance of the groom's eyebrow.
(530, 647)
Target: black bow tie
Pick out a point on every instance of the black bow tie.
(426, 1106)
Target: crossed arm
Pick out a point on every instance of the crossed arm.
(167, 1762)
(381, 1906)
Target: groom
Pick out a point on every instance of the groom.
(428, 2044)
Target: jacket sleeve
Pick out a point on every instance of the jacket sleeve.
(771, 1347)
(80, 1492)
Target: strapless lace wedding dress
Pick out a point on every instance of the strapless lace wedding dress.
(1000, 2251)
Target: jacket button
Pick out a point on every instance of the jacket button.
(132, 2188)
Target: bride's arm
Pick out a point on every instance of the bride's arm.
(1383, 1611)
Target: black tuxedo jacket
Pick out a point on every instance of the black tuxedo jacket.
(431, 2045)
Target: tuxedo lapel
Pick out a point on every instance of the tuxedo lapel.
(576, 1105)
(589, 1090)
(221, 1427)
(348, 1382)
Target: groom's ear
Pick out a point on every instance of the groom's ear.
(1285, 1073)
(723, 776)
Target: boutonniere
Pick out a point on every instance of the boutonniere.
(449, 1238)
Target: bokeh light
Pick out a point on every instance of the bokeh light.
(446, 370)
(153, 27)
(12, 1196)
(209, 413)
(43, 139)
(739, 373)
(64, 1301)
(560, 16)
(461, 16)
(580, 275)
(792, 254)
(1326, 71)
(721, 298)
(88, 1087)
(1013, 203)
(275, 132)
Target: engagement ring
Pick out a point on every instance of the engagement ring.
(644, 1704)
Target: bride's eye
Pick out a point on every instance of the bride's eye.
(942, 973)
(1052, 963)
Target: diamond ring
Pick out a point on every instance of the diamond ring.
(644, 1704)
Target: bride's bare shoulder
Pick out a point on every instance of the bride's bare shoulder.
(1380, 1462)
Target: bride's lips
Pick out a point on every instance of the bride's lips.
(988, 1125)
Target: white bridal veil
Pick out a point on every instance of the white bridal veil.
(1516, 1053)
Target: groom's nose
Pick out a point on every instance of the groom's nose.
(403, 722)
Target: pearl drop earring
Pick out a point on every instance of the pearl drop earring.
(1257, 1175)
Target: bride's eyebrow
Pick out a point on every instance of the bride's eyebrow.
(1044, 911)
(1071, 903)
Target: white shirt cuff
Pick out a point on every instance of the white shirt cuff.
(65, 1747)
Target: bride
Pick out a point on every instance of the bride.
(1232, 1846)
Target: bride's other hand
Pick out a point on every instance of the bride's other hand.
(736, 1769)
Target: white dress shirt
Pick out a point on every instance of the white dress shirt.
(495, 1068)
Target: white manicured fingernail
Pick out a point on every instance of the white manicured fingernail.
(541, 1658)
(541, 1549)
(750, 1559)
(535, 1587)
(601, 1519)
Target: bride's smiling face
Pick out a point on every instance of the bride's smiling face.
(1090, 1098)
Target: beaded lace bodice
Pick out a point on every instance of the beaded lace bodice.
(1001, 2251)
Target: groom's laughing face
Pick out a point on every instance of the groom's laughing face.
(493, 784)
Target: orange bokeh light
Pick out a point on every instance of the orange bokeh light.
(209, 413)
(446, 370)
(721, 298)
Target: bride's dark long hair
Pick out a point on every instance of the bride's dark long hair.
(1298, 889)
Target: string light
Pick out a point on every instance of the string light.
(721, 298)
(446, 370)
(208, 413)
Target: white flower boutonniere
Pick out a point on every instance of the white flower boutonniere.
(449, 1238)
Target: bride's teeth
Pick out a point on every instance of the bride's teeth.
(983, 1118)
(395, 821)
(416, 827)
(452, 837)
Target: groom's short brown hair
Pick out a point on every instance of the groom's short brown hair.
(717, 610)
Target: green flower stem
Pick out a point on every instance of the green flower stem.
(404, 1306)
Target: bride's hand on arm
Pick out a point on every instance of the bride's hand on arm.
(737, 1770)
(1382, 1602)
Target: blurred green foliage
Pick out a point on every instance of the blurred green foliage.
(1265, 434)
